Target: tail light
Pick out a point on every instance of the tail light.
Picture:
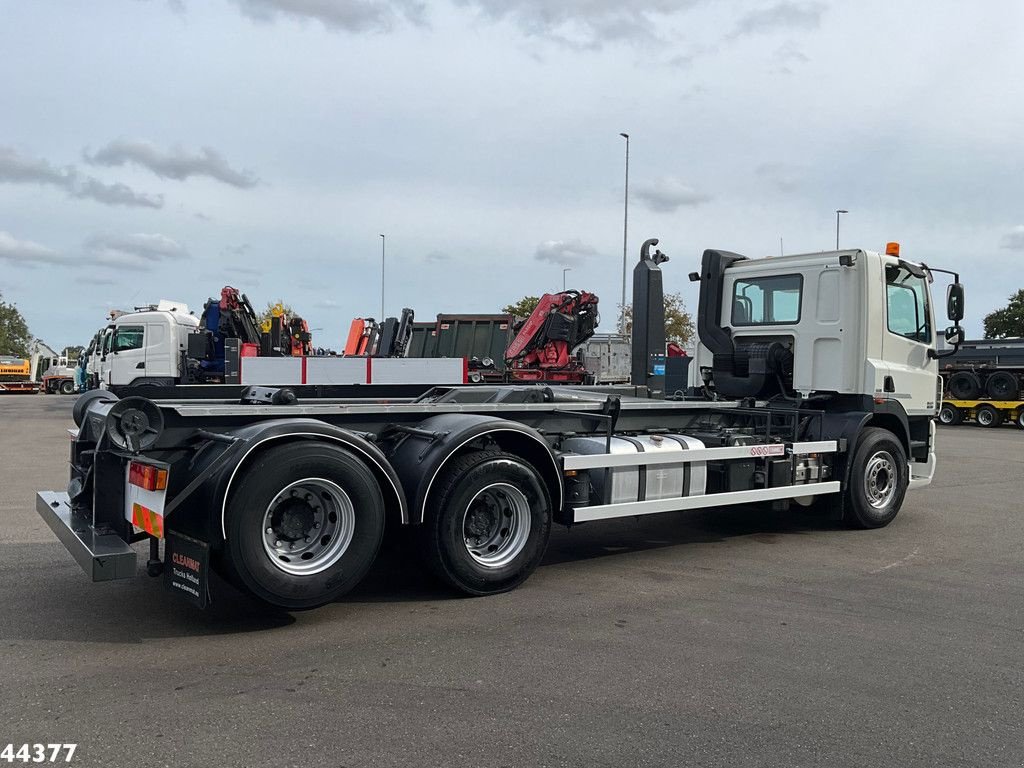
(147, 477)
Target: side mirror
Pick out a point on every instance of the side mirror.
(955, 335)
(955, 302)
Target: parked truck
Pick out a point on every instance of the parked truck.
(824, 366)
(51, 374)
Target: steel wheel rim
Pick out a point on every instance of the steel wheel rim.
(308, 526)
(880, 479)
(985, 417)
(496, 525)
(946, 416)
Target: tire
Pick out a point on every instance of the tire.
(964, 385)
(67, 387)
(1002, 385)
(1019, 421)
(950, 415)
(878, 480)
(487, 523)
(286, 494)
(84, 400)
(987, 416)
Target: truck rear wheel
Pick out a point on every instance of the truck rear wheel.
(487, 523)
(878, 479)
(67, 387)
(950, 415)
(303, 526)
(988, 416)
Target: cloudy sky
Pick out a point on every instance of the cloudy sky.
(163, 148)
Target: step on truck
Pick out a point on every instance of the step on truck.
(822, 368)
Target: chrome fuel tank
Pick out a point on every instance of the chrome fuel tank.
(619, 485)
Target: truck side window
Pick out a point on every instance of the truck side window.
(767, 300)
(128, 337)
(907, 312)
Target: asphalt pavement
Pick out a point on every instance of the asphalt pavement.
(733, 637)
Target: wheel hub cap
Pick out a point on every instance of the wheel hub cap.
(308, 526)
(880, 478)
(496, 526)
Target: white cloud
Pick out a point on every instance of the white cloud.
(346, 15)
(18, 168)
(175, 163)
(666, 194)
(27, 253)
(567, 253)
(136, 251)
(784, 15)
(1014, 239)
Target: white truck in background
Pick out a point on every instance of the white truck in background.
(141, 348)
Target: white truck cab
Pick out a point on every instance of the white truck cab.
(145, 347)
(851, 330)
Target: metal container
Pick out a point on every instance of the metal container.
(619, 485)
(423, 342)
(608, 357)
(469, 336)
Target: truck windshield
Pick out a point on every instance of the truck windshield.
(907, 308)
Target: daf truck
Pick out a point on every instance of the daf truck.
(825, 386)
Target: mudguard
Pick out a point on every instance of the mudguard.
(423, 455)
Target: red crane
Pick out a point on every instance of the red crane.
(544, 343)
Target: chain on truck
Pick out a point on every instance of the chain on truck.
(820, 386)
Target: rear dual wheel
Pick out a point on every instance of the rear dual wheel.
(487, 523)
(303, 526)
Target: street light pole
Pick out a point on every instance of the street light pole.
(383, 243)
(625, 238)
(838, 211)
(567, 269)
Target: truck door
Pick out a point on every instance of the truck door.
(127, 359)
(910, 330)
(161, 355)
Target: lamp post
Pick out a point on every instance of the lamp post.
(566, 269)
(625, 237)
(383, 243)
(838, 211)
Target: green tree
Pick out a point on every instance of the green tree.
(1008, 321)
(522, 308)
(73, 352)
(14, 336)
(678, 322)
(273, 307)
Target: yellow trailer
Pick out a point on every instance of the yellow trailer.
(984, 413)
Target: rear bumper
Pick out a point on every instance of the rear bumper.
(103, 556)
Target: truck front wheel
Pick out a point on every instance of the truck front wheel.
(487, 523)
(303, 526)
(878, 479)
